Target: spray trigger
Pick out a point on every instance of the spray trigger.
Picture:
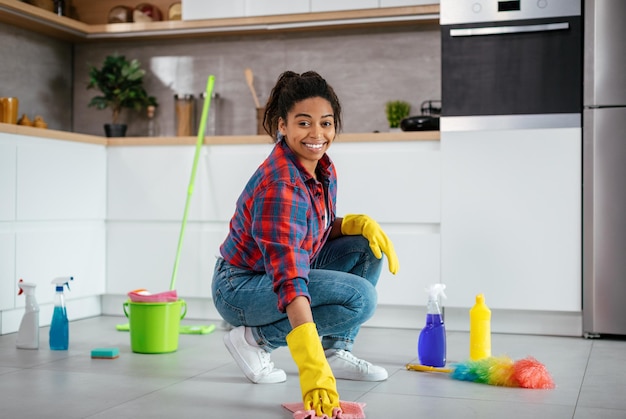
(63, 281)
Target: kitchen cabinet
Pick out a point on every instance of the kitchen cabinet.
(146, 203)
(58, 220)
(216, 9)
(511, 218)
(92, 24)
(493, 215)
(53, 223)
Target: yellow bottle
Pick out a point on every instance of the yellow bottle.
(480, 329)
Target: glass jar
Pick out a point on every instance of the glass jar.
(212, 117)
(153, 125)
(185, 111)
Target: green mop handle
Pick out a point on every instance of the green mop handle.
(201, 131)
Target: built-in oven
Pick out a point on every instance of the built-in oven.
(511, 144)
(511, 57)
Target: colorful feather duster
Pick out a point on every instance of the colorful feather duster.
(497, 371)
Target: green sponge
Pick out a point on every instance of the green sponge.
(105, 353)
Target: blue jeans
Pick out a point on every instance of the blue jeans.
(342, 284)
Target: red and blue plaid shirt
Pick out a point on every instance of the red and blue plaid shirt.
(280, 221)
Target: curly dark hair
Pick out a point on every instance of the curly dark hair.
(291, 88)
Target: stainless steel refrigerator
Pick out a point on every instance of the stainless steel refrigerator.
(604, 168)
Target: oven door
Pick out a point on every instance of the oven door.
(516, 67)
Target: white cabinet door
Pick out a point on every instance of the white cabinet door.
(212, 9)
(142, 254)
(58, 180)
(333, 5)
(418, 252)
(7, 180)
(8, 290)
(274, 7)
(511, 218)
(47, 250)
(391, 182)
(150, 183)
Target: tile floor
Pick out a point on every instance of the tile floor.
(200, 380)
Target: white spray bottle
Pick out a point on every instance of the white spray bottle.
(28, 333)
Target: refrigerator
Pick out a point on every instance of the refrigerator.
(604, 168)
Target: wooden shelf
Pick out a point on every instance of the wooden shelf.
(366, 137)
(24, 15)
(222, 139)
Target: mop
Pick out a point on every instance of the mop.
(143, 295)
(497, 371)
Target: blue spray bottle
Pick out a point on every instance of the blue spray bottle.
(59, 328)
(431, 345)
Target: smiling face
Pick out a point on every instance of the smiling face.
(309, 130)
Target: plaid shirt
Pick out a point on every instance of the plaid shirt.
(280, 222)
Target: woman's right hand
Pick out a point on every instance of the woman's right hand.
(317, 382)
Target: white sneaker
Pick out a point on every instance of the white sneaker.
(253, 360)
(349, 367)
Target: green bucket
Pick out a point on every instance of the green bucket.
(154, 327)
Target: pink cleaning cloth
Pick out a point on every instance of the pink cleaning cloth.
(144, 296)
(349, 410)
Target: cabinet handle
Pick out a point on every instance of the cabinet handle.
(500, 30)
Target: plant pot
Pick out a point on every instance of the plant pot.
(115, 130)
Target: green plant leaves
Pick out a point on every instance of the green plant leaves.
(121, 83)
(396, 111)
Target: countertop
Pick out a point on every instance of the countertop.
(214, 140)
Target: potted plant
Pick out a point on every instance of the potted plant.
(121, 83)
(396, 111)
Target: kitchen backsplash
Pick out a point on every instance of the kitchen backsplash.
(367, 67)
(38, 71)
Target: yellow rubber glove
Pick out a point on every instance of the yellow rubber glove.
(317, 382)
(355, 224)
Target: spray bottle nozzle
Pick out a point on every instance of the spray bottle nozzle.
(62, 281)
(435, 291)
(26, 287)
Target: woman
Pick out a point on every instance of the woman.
(290, 272)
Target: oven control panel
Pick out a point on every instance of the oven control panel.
(475, 11)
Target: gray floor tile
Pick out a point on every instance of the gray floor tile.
(201, 380)
(403, 406)
(598, 413)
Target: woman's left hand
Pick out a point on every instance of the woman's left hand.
(355, 224)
